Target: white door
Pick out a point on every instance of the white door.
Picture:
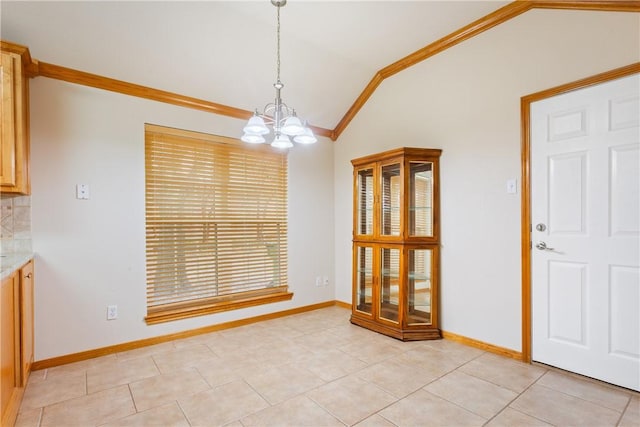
(585, 208)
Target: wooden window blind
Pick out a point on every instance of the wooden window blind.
(216, 224)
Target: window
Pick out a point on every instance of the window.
(216, 224)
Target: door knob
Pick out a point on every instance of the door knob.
(543, 246)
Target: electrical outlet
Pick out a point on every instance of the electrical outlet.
(112, 312)
(325, 281)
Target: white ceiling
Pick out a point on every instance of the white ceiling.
(224, 51)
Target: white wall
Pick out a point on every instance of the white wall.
(91, 253)
(466, 101)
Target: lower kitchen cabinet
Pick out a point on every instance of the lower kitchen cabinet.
(9, 376)
(26, 322)
(16, 338)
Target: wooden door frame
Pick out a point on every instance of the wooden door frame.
(525, 231)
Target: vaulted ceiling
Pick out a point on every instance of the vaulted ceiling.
(334, 53)
(224, 51)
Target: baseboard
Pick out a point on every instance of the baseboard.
(502, 351)
(132, 345)
(342, 304)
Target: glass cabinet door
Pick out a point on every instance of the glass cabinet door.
(389, 284)
(364, 279)
(419, 286)
(421, 199)
(390, 199)
(364, 225)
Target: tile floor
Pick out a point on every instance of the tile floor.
(316, 369)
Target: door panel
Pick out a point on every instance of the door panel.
(625, 188)
(565, 125)
(624, 112)
(585, 209)
(567, 302)
(567, 193)
(624, 295)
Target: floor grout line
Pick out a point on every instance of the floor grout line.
(442, 351)
(508, 405)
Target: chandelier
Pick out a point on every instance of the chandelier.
(283, 119)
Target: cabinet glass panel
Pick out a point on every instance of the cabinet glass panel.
(421, 199)
(390, 284)
(364, 279)
(365, 202)
(419, 286)
(391, 189)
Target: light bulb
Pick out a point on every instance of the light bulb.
(282, 141)
(253, 138)
(307, 137)
(292, 126)
(256, 125)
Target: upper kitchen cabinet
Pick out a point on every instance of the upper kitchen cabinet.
(14, 120)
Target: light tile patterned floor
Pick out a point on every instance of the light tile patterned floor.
(316, 369)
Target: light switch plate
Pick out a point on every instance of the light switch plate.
(82, 191)
(512, 186)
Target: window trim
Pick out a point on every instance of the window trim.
(184, 310)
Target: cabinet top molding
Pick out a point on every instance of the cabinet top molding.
(29, 64)
(407, 152)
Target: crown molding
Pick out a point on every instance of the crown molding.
(100, 82)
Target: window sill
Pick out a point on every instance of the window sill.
(177, 311)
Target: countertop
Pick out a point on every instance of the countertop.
(11, 262)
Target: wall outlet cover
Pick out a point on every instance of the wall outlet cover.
(112, 312)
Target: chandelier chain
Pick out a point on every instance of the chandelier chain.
(278, 47)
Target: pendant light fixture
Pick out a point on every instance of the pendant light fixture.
(283, 119)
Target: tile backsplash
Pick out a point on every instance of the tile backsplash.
(15, 225)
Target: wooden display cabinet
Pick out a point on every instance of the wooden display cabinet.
(396, 243)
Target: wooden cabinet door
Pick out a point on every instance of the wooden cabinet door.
(26, 321)
(14, 121)
(8, 335)
(7, 121)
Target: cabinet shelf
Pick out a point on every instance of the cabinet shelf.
(396, 243)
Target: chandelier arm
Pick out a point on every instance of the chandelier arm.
(271, 107)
